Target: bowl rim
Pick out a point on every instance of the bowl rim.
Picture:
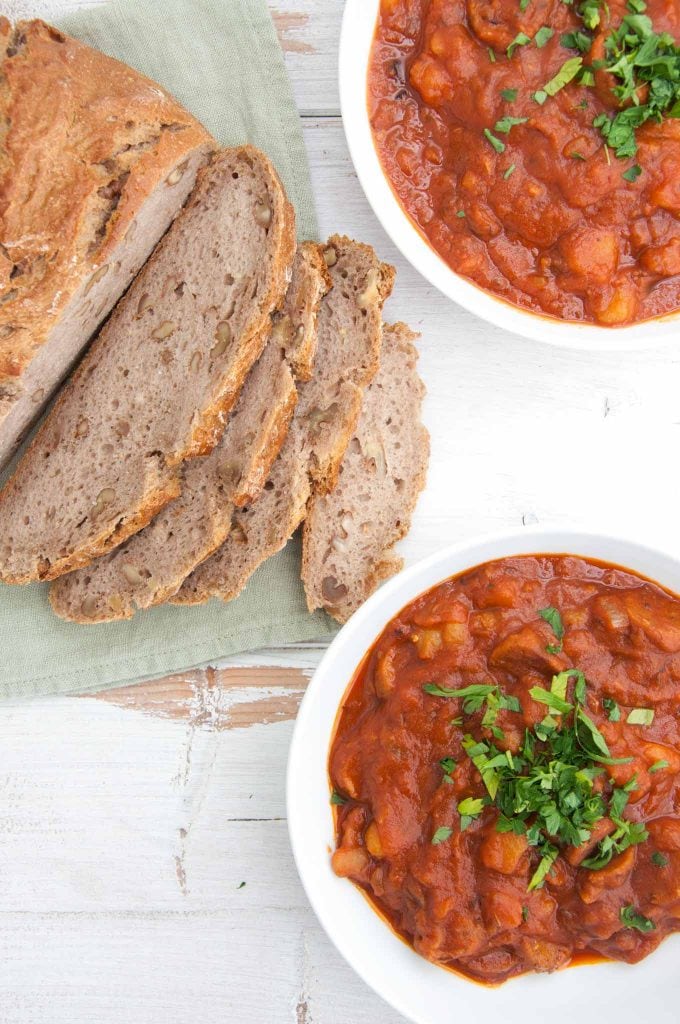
(356, 36)
(313, 722)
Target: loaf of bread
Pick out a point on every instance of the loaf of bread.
(157, 384)
(95, 162)
(349, 534)
(348, 346)
(151, 565)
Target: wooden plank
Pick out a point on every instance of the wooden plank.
(227, 698)
(124, 841)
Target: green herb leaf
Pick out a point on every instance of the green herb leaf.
(658, 766)
(612, 708)
(577, 41)
(521, 39)
(640, 716)
(441, 835)
(241, 886)
(554, 620)
(564, 76)
(336, 798)
(447, 765)
(632, 918)
(555, 703)
(660, 860)
(510, 95)
(506, 123)
(469, 810)
(525, 913)
(543, 36)
(539, 876)
(633, 173)
(496, 143)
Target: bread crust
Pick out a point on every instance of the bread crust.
(309, 463)
(57, 159)
(401, 339)
(209, 423)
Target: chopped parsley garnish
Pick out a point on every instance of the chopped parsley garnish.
(551, 790)
(564, 76)
(640, 716)
(510, 171)
(525, 913)
(510, 95)
(495, 142)
(633, 173)
(659, 860)
(241, 886)
(577, 41)
(441, 835)
(646, 66)
(543, 36)
(506, 123)
(612, 708)
(337, 799)
(447, 765)
(460, 213)
(658, 766)
(550, 855)
(554, 620)
(632, 918)
(492, 55)
(521, 39)
(469, 809)
(478, 696)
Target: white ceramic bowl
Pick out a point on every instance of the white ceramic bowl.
(358, 28)
(419, 990)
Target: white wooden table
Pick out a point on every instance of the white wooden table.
(129, 822)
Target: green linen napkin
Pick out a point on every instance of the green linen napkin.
(222, 60)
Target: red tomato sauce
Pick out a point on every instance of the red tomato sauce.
(549, 224)
(400, 768)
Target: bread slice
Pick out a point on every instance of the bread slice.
(157, 384)
(349, 535)
(349, 335)
(150, 567)
(95, 162)
(295, 323)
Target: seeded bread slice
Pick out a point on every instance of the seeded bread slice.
(149, 567)
(349, 535)
(349, 336)
(295, 323)
(156, 386)
(95, 162)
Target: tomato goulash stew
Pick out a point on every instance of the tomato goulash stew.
(536, 145)
(505, 768)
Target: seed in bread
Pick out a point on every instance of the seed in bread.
(95, 162)
(348, 345)
(156, 387)
(150, 567)
(349, 534)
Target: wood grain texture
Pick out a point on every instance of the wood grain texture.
(128, 821)
(226, 698)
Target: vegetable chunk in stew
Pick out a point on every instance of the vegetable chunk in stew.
(536, 146)
(505, 768)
